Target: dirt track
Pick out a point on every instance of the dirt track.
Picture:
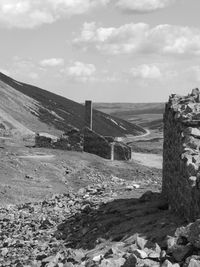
(147, 159)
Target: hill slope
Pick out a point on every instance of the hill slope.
(26, 109)
(147, 115)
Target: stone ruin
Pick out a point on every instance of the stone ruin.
(86, 140)
(181, 154)
(105, 146)
(71, 140)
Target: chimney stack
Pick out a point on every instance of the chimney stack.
(88, 114)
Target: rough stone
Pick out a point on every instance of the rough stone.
(140, 254)
(101, 146)
(181, 159)
(167, 263)
(193, 261)
(181, 252)
(194, 234)
(72, 140)
(140, 242)
(131, 261)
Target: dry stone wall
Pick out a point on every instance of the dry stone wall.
(101, 146)
(181, 154)
(72, 140)
(85, 140)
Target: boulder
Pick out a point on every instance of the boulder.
(180, 252)
(194, 234)
(131, 261)
(193, 261)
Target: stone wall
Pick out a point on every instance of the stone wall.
(72, 140)
(181, 156)
(85, 140)
(101, 146)
(44, 140)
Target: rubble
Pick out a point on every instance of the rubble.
(51, 233)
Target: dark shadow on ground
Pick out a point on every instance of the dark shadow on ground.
(118, 220)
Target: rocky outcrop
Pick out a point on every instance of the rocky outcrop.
(181, 157)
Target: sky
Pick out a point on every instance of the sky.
(103, 50)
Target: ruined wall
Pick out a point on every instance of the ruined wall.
(72, 140)
(101, 146)
(181, 154)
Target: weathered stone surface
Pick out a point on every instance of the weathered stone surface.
(167, 263)
(140, 254)
(150, 263)
(193, 261)
(101, 146)
(194, 234)
(72, 140)
(131, 261)
(180, 252)
(140, 242)
(181, 159)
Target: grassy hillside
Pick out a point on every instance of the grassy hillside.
(58, 112)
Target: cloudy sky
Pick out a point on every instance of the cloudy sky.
(103, 50)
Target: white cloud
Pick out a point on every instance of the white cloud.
(143, 5)
(32, 13)
(33, 75)
(51, 62)
(81, 71)
(139, 37)
(146, 72)
(24, 69)
(192, 73)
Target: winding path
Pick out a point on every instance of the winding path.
(146, 159)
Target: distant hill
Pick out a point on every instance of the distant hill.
(26, 109)
(147, 115)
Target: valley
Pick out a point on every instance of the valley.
(147, 115)
(63, 208)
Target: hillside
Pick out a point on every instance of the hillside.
(147, 115)
(26, 109)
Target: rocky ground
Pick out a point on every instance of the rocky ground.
(95, 213)
(91, 228)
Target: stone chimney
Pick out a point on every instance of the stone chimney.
(88, 114)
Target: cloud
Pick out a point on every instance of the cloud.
(33, 75)
(81, 71)
(52, 62)
(23, 69)
(146, 72)
(192, 73)
(143, 5)
(33, 13)
(140, 37)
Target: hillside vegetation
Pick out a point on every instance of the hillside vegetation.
(26, 109)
